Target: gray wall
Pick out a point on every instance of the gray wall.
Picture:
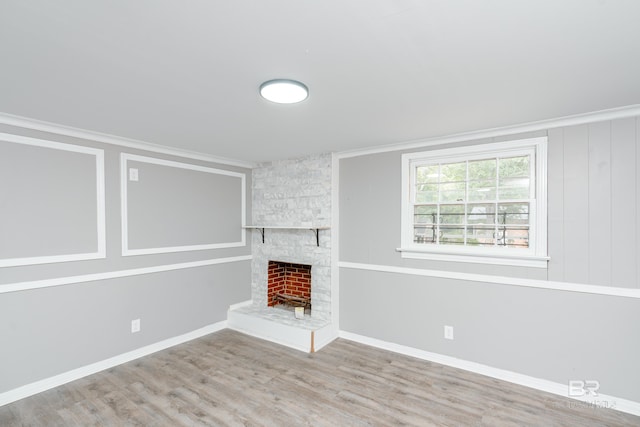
(50, 331)
(593, 195)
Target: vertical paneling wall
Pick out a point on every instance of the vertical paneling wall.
(594, 201)
(551, 334)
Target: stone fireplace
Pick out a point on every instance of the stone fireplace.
(293, 193)
(291, 218)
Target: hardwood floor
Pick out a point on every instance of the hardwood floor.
(228, 378)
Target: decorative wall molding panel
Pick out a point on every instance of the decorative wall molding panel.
(47, 207)
(196, 201)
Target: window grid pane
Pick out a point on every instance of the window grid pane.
(473, 203)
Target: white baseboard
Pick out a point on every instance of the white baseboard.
(602, 400)
(324, 336)
(66, 377)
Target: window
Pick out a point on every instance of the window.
(484, 203)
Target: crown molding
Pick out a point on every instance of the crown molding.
(39, 125)
(577, 119)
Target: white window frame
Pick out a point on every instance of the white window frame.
(534, 256)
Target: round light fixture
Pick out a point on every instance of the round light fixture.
(284, 91)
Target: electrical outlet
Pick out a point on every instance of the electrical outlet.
(135, 326)
(133, 174)
(448, 332)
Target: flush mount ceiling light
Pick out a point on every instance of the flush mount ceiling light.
(284, 91)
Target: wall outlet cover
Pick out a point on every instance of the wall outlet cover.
(448, 332)
(135, 326)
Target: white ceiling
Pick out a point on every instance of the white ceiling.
(186, 73)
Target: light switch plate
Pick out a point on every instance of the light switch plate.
(133, 174)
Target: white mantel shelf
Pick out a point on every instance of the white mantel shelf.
(261, 228)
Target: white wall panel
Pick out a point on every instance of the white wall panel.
(623, 202)
(555, 210)
(576, 204)
(599, 230)
(637, 203)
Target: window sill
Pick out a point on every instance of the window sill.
(496, 259)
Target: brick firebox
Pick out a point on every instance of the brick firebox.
(288, 283)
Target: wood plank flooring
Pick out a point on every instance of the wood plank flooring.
(228, 378)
